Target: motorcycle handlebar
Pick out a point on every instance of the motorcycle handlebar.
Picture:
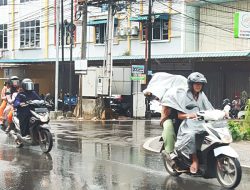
(36, 102)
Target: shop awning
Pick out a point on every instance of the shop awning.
(100, 21)
(142, 18)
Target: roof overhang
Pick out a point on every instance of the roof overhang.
(142, 18)
(200, 3)
(98, 2)
(226, 54)
(183, 56)
(100, 21)
(4, 63)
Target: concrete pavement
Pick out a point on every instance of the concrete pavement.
(241, 147)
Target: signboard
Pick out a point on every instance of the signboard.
(242, 25)
(137, 69)
(136, 78)
(81, 67)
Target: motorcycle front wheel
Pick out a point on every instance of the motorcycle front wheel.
(45, 141)
(228, 171)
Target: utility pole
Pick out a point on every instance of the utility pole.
(110, 29)
(84, 47)
(148, 56)
(57, 53)
(71, 51)
(62, 44)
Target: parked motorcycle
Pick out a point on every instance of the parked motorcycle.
(216, 158)
(233, 112)
(39, 126)
(62, 105)
(120, 106)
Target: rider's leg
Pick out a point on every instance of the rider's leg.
(168, 135)
(24, 124)
(2, 107)
(195, 164)
(9, 119)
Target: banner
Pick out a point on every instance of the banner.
(242, 25)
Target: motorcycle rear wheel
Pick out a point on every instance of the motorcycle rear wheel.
(46, 141)
(168, 167)
(228, 171)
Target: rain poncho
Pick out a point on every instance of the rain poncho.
(172, 91)
(186, 141)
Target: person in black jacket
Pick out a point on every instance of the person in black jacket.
(23, 113)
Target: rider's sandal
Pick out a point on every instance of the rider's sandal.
(19, 144)
(7, 130)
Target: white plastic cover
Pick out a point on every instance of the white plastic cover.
(212, 115)
(161, 82)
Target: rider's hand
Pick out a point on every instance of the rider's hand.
(227, 115)
(22, 104)
(191, 116)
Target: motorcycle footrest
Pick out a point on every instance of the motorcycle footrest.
(179, 170)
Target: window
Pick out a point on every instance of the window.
(3, 2)
(30, 34)
(159, 30)
(100, 33)
(67, 38)
(3, 36)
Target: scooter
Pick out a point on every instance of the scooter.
(233, 112)
(120, 107)
(39, 126)
(216, 158)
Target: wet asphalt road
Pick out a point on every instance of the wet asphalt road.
(95, 155)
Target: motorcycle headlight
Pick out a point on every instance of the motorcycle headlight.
(225, 135)
(43, 117)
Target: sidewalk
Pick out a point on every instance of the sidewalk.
(241, 147)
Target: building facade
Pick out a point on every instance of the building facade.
(186, 36)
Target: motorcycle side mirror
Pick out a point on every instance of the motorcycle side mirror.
(190, 106)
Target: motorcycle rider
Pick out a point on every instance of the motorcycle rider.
(10, 96)
(23, 113)
(186, 137)
(170, 124)
(3, 98)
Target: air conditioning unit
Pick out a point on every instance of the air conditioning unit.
(128, 32)
(134, 31)
(122, 31)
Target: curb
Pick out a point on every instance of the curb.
(147, 143)
(245, 166)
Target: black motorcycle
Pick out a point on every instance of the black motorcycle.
(120, 105)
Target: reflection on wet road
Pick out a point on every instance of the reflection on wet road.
(94, 155)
